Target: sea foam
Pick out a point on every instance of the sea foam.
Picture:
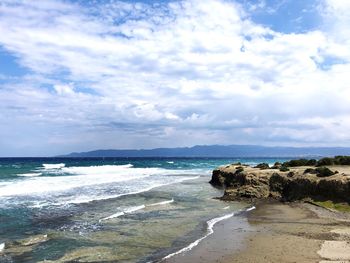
(126, 211)
(30, 174)
(2, 247)
(134, 209)
(53, 166)
(83, 184)
(83, 176)
(163, 202)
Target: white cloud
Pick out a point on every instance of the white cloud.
(65, 89)
(151, 73)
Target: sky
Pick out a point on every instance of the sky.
(105, 74)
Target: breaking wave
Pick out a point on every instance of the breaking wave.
(134, 209)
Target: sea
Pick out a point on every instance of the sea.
(109, 209)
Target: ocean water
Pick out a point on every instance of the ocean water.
(108, 210)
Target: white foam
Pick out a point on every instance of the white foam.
(30, 174)
(171, 162)
(112, 216)
(2, 247)
(83, 176)
(126, 211)
(100, 169)
(162, 203)
(53, 165)
(210, 225)
(39, 204)
(250, 208)
(87, 199)
(133, 209)
(227, 207)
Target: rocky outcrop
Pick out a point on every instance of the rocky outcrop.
(296, 184)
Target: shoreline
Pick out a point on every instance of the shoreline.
(276, 232)
(227, 236)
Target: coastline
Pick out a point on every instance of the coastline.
(228, 236)
(276, 232)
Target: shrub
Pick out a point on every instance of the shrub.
(311, 162)
(309, 171)
(342, 160)
(284, 169)
(294, 163)
(324, 172)
(262, 166)
(337, 160)
(325, 161)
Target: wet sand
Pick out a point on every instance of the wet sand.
(276, 232)
(228, 236)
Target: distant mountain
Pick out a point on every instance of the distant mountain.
(219, 151)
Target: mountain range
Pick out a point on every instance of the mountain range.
(218, 151)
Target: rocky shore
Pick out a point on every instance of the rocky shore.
(280, 182)
(311, 224)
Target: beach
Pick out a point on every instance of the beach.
(277, 232)
(151, 210)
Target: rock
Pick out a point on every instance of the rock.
(220, 178)
(33, 240)
(90, 254)
(217, 179)
(22, 246)
(263, 166)
(253, 183)
(277, 165)
(290, 174)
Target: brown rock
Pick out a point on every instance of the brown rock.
(254, 183)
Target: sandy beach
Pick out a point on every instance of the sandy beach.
(276, 232)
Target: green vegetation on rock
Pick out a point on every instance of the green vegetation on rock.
(309, 171)
(263, 166)
(320, 171)
(324, 172)
(326, 161)
(300, 162)
(337, 160)
(284, 169)
(343, 207)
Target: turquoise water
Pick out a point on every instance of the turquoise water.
(107, 210)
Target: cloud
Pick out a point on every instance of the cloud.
(65, 89)
(169, 70)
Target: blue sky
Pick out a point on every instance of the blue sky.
(84, 75)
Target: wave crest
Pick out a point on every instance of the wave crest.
(49, 166)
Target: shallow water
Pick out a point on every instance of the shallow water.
(111, 210)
